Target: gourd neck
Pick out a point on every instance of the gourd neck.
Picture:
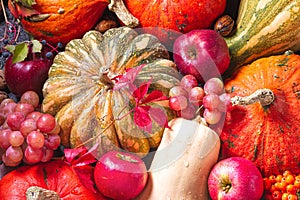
(37, 193)
(264, 96)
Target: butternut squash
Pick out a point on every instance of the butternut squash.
(182, 163)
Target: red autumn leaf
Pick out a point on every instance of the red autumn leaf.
(81, 156)
(141, 91)
(142, 118)
(159, 116)
(154, 96)
(127, 78)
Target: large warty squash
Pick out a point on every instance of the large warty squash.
(81, 89)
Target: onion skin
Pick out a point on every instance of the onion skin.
(203, 53)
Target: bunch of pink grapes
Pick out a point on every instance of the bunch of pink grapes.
(26, 134)
(189, 99)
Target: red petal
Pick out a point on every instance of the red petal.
(87, 158)
(154, 96)
(85, 175)
(71, 154)
(127, 78)
(141, 91)
(141, 116)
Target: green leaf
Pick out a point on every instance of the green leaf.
(37, 46)
(10, 48)
(26, 3)
(20, 52)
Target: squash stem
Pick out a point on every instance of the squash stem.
(38, 193)
(119, 8)
(264, 96)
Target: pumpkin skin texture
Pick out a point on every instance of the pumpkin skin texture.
(68, 19)
(169, 19)
(54, 175)
(263, 28)
(84, 100)
(268, 136)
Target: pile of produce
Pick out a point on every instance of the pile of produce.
(150, 100)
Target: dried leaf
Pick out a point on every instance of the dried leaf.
(23, 11)
(36, 46)
(26, 3)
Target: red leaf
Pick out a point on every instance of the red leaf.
(71, 154)
(128, 78)
(142, 118)
(155, 95)
(141, 91)
(84, 157)
(85, 175)
(159, 116)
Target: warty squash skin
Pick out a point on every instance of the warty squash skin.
(267, 135)
(182, 163)
(80, 90)
(264, 28)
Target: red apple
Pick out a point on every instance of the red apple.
(120, 175)
(26, 75)
(203, 53)
(235, 178)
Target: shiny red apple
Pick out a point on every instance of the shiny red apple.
(203, 53)
(120, 175)
(26, 75)
(235, 178)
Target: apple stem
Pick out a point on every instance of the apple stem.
(119, 8)
(38, 193)
(264, 96)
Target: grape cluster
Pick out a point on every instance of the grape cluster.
(26, 134)
(285, 186)
(189, 99)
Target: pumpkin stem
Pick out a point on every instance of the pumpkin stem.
(38, 193)
(264, 96)
(118, 7)
(105, 80)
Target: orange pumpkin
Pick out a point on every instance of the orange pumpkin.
(267, 135)
(60, 20)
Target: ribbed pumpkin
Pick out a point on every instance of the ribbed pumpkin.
(169, 19)
(80, 89)
(60, 20)
(264, 28)
(267, 135)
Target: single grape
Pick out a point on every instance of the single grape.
(47, 154)
(196, 95)
(27, 126)
(178, 102)
(4, 141)
(30, 97)
(35, 115)
(46, 123)
(52, 142)
(14, 120)
(16, 138)
(211, 101)
(15, 154)
(5, 54)
(5, 102)
(24, 108)
(214, 86)
(9, 108)
(8, 162)
(225, 103)
(188, 82)
(32, 155)
(60, 45)
(55, 130)
(212, 116)
(35, 139)
(177, 90)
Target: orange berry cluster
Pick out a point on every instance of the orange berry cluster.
(284, 186)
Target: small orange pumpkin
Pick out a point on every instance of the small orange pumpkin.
(267, 135)
(58, 21)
